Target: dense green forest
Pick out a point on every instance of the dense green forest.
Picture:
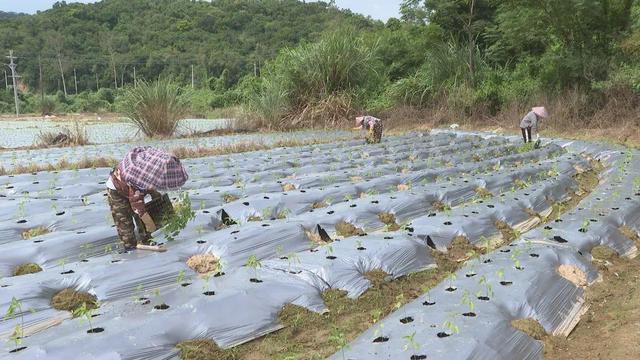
(291, 62)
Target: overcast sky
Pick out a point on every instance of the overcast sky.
(377, 9)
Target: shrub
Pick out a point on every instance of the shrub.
(155, 108)
(47, 105)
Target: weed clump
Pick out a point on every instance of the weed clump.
(377, 277)
(70, 300)
(288, 187)
(603, 253)
(345, 229)
(389, 220)
(200, 349)
(530, 327)
(28, 268)
(37, 231)
(204, 263)
(484, 193)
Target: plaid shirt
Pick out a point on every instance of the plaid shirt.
(146, 169)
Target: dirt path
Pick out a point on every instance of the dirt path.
(611, 327)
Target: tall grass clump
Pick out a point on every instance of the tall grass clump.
(76, 136)
(47, 105)
(155, 108)
(318, 84)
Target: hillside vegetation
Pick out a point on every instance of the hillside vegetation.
(295, 64)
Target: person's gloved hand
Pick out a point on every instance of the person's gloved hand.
(149, 225)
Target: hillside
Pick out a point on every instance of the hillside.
(109, 38)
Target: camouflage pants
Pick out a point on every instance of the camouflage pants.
(374, 135)
(126, 220)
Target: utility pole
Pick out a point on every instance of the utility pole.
(64, 84)
(6, 82)
(12, 66)
(41, 85)
(75, 80)
(135, 82)
(192, 79)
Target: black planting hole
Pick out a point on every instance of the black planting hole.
(534, 255)
(432, 215)
(60, 213)
(418, 357)
(235, 232)
(67, 272)
(254, 280)
(429, 303)
(284, 258)
(487, 261)
(161, 307)
(475, 212)
(95, 330)
(491, 206)
(95, 315)
(37, 241)
(330, 212)
(362, 248)
(185, 284)
(219, 274)
(506, 283)
(519, 268)
(469, 314)
(593, 220)
(331, 257)
(144, 301)
(84, 260)
(206, 211)
(451, 289)
(505, 250)
(245, 203)
(209, 293)
(406, 320)
(388, 237)
(375, 202)
(558, 220)
(559, 239)
(352, 205)
(303, 191)
(115, 261)
(548, 227)
(381, 339)
(265, 225)
(21, 221)
(18, 349)
(443, 334)
(470, 274)
(483, 298)
(583, 230)
(201, 242)
(448, 223)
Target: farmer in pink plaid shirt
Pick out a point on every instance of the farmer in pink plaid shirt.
(143, 171)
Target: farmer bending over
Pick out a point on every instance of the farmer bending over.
(531, 121)
(144, 170)
(373, 126)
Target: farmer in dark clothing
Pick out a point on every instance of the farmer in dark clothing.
(143, 171)
(531, 121)
(373, 126)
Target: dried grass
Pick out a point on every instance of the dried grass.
(200, 349)
(70, 300)
(28, 268)
(37, 231)
(76, 136)
(204, 263)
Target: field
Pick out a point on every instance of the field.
(434, 245)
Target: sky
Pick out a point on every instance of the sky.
(377, 9)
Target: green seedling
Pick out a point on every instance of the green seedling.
(158, 296)
(184, 213)
(84, 313)
(282, 214)
(254, 263)
(292, 258)
(206, 277)
(451, 325)
(451, 278)
(585, 226)
(180, 277)
(62, 262)
(411, 343)
(467, 300)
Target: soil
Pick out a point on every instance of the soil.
(459, 251)
(508, 235)
(610, 328)
(345, 229)
(389, 220)
(377, 277)
(530, 327)
(440, 206)
(200, 349)
(28, 268)
(70, 300)
(603, 253)
(204, 263)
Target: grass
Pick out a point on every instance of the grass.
(155, 108)
(76, 136)
(37, 231)
(28, 268)
(199, 349)
(70, 300)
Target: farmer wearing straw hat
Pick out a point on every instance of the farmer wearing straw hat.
(373, 126)
(143, 171)
(531, 121)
